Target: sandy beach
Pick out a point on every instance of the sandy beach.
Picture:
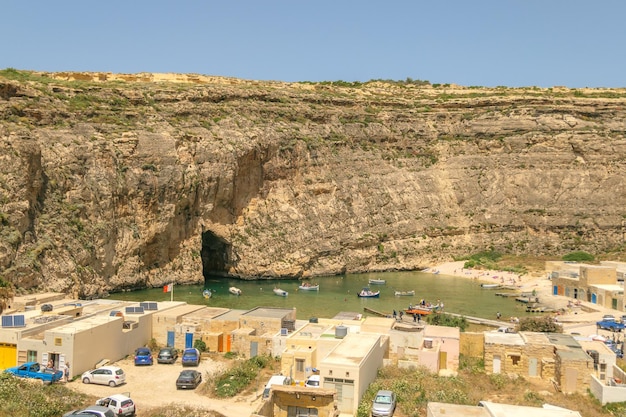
(525, 283)
(567, 311)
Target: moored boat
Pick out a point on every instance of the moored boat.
(404, 293)
(280, 292)
(234, 291)
(487, 286)
(424, 311)
(367, 293)
(207, 293)
(373, 281)
(309, 287)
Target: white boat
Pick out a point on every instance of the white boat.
(401, 293)
(309, 287)
(490, 285)
(280, 292)
(207, 293)
(373, 281)
(367, 293)
(234, 291)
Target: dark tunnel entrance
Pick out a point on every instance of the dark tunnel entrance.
(215, 255)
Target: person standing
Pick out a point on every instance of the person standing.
(66, 372)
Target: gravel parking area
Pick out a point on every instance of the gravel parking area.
(155, 386)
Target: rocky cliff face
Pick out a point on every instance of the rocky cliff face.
(112, 182)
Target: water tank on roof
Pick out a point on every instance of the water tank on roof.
(428, 343)
(595, 355)
(341, 332)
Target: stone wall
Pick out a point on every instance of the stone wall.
(583, 368)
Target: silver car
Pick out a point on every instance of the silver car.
(92, 411)
(384, 404)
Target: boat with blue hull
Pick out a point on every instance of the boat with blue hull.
(367, 293)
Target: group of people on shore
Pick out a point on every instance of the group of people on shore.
(413, 310)
(400, 316)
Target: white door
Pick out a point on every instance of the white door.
(496, 364)
(532, 367)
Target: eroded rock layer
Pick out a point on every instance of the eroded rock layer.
(112, 181)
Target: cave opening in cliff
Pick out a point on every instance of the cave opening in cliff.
(215, 255)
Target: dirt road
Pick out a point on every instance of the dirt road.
(155, 386)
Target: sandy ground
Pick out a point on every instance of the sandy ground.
(155, 386)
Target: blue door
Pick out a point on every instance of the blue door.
(254, 349)
(188, 340)
(593, 298)
(555, 290)
(170, 339)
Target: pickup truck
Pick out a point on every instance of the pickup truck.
(611, 325)
(36, 371)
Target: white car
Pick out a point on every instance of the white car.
(313, 381)
(105, 375)
(122, 405)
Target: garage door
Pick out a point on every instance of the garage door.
(8, 355)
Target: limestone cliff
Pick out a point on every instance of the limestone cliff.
(113, 181)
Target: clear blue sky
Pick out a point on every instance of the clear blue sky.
(511, 43)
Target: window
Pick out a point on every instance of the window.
(293, 411)
(515, 359)
(299, 365)
(31, 356)
(603, 371)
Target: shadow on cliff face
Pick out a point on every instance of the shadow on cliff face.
(215, 255)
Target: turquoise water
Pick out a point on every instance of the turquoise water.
(337, 294)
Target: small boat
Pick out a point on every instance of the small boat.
(373, 281)
(367, 293)
(234, 291)
(280, 292)
(424, 311)
(404, 293)
(309, 287)
(487, 286)
(207, 293)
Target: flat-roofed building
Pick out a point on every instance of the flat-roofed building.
(350, 367)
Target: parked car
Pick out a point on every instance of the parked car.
(167, 355)
(91, 411)
(191, 357)
(608, 317)
(188, 378)
(143, 356)
(121, 405)
(384, 404)
(105, 375)
(275, 380)
(313, 381)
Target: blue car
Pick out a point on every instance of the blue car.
(143, 356)
(191, 357)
